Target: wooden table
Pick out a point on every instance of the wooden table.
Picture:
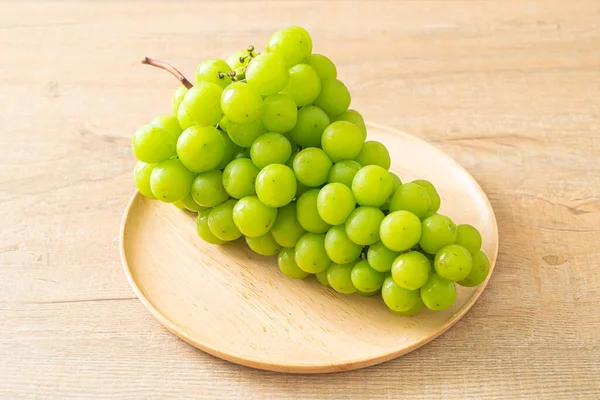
(510, 89)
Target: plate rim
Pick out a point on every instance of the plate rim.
(314, 368)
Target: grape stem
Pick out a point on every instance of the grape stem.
(169, 68)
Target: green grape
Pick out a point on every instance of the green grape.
(400, 230)
(480, 270)
(342, 140)
(453, 262)
(343, 172)
(367, 294)
(339, 278)
(201, 148)
(322, 65)
(202, 105)
(362, 226)
(434, 197)
(245, 134)
(207, 189)
(223, 123)
(310, 254)
(354, 117)
(240, 59)
(242, 153)
(267, 73)
(203, 229)
(241, 104)
(170, 181)
(312, 166)
(304, 85)
(141, 175)
(366, 279)
(468, 237)
(168, 122)
(213, 71)
(276, 185)
(380, 257)
(372, 186)
(220, 221)
(301, 189)
(288, 265)
(322, 278)
(335, 202)
(438, 294)
(334, 97)
(374, 153)
(410, 197)
(190, 204)
(287, 230)
(396, 183)
(279, 113)
(178, 98)
(179, 205)
(411, 270)
(437, 231)
(339, 247)
(239, 177)
(252, 217)
(264, 245)
(152, 144)
(310, 124)
(231, 149)
(397, 298)
(293, 44)
(308, 214)
(413, 311)
(270, 148)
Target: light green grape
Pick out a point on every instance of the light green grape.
(267, 73)
(323, 66)
(438, 294)
(335, 202)
(468, 237)
(231, 149)
(276, 185)
(396, 183)
(480, 270)
(354, 117)
(339, 278)
(201, 105)
(288, 265)
(179, 205)
(380, 257)
(453, 262)
(304, 85)
(213, 71)
(367, 294)
(152, 144)
(141, 174)
(322, 278)
(437, 231)
(252, 217)
(293, 44)
(170, 181)
(207, 189)
(242, 153)
(190, 204)
(240, 59)
(362, 226)
(223, 123)
(342, 140)
(201, 148)
(312, 166)
(365, 278)
(334, 97)
(279, 113)
(264, 245)
(241, 104)
(374, 153)
(270, 148)
(287, 230)
(169, 123)
(400, 230)
(310, 124)
(308, 214)
(239, 177)
(413, 311)
(411, 270)
(343, 172)
(397, 298)
(434, 197)
(245, 134)
(203, 230)
(372, 186)
(177, 99)
(301, 189)
(339, 247)
(410, 197)
(310, 254)
(220, 221)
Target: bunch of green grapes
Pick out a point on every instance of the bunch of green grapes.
(264, 146)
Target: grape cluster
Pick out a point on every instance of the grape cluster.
(264, 146)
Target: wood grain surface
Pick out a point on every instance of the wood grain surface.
(511, 89)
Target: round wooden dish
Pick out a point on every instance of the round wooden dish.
(238, 306)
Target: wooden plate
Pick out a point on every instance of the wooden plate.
(238, 306)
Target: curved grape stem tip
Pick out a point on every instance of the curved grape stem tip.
(169, 68)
